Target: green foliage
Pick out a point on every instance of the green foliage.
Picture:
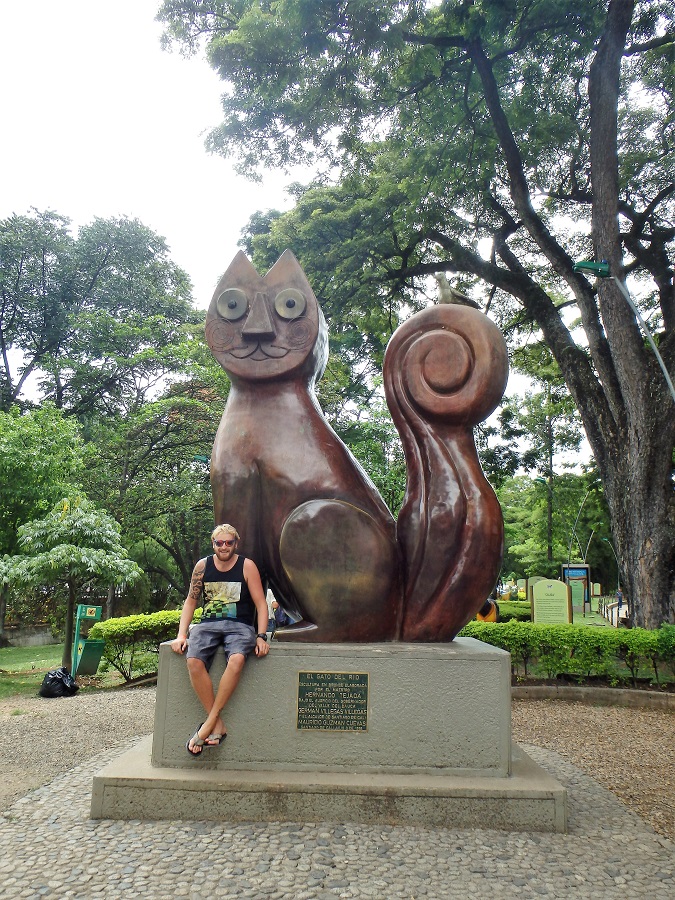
(637, 647)
(665, 637)
(132, 643)
(103, 319)
(579, 651)
(524, 503)
(519, 610)
(374, 441)
(75, 545)
(95, 317)
(147, 474)
(41, 458)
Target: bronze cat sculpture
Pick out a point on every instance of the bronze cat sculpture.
(308, 514)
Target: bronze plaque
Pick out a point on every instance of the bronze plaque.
(333, 701)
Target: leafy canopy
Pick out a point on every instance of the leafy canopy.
(93, 319)
(41, 459)
(76, 543)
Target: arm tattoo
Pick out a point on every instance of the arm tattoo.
(197, 581)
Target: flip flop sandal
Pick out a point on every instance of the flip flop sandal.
(215, 740)
(196, 742)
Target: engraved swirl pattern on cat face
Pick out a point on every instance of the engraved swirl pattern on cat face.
(264, 328)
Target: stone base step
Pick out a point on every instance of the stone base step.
(529, 799)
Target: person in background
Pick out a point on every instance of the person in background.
(281, 617)
(489, 611)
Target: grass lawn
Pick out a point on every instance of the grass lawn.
(22, 670)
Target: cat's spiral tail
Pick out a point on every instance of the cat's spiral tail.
(445, 371)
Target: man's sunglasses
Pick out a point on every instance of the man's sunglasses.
(230, 543)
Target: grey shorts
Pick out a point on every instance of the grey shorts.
(206, 637)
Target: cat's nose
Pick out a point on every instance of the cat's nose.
(258, 325)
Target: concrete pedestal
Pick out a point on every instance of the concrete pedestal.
(436, 749)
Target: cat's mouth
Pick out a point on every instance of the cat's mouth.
(258, 351)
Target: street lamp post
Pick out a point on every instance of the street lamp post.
(618, 568)
(569, 549)
(601, 270)
(548, 482)
(574, 527)
(595, 528)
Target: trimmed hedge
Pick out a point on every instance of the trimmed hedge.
(580, 651)
(519, 610)
(132, 642)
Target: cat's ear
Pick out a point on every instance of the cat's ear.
(287, 272)
(240, 273)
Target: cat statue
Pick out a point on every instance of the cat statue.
(307, 513)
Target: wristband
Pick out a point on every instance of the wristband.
(262, 637)
(182, 637)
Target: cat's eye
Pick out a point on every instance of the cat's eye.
(290, 303)
(232, 304)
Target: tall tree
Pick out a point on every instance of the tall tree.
(41, 458)
(75, 545)
(580, 529)
(548, 418)
(91, 319)
(151, 471)
(470, 123)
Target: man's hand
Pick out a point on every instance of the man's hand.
(262, 648)
(179, 644)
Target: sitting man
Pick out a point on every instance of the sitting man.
(232, 593)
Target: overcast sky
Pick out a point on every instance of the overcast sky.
(98, 120)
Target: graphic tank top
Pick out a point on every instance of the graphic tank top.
(226, 594)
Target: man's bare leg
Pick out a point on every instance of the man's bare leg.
(228, 682)
(203, 688)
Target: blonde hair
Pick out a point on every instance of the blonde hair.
(224, 529)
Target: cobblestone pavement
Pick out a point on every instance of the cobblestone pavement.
(49, 848)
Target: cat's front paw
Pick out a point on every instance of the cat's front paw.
(343, 568)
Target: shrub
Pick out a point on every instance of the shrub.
(637, 648)
(578, 650)
(594, 653)
(515, 637)
(132, 642)
(665, 642)
(553, 648)
(508, 610)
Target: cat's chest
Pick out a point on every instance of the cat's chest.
(280, 434)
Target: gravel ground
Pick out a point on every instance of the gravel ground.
(629, 751)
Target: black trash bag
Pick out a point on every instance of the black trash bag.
(58, 683)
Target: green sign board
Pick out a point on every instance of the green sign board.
(578, 576)
(578, 592)
(86, 615)
(89, 655)
(551, 603)
(333, 701)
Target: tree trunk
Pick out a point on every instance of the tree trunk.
(67, 658)
(4, 591)
(549, 509)
(636, 474)
(110, 602)
(639, 495)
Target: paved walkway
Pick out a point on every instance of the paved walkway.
(49, 848)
